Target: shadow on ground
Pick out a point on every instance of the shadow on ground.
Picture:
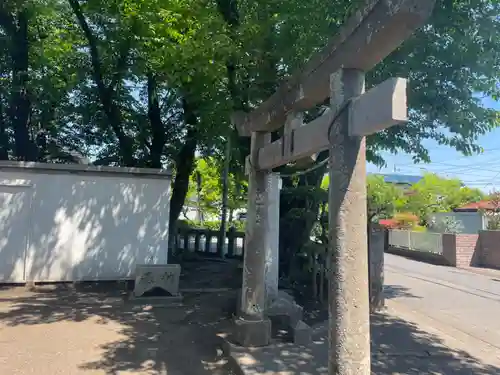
(402, 347)
(182, 340)
(397, 291)
(315, 312)
(398, 347)
(173, 340)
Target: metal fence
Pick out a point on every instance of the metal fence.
(419, 241)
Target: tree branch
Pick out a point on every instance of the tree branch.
(124, 52)
(94, 52)
(7, 21)
(105, 93)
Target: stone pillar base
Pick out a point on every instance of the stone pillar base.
(252, 333)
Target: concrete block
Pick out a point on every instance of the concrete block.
(164, 276)
(302, 334)
(250, 333)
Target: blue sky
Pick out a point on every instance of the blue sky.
(481, 171)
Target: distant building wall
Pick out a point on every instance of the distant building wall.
(469, 222)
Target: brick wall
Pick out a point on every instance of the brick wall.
(490, 248)
(468, 251)
(462, 250)
(472, 250)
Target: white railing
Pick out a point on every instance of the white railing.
(419, 241)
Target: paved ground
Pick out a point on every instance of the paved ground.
(467, 303)
(66, 332)
(439, 320)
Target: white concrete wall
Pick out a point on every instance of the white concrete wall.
(80, 226)
(470, 222)
(15, 216)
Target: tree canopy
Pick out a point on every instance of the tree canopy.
(150, 83)
(383, 198)
(436, 194)
(205, 187)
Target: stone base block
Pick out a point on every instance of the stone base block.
(249, 333)
(285, 307)
(285, 295)
(163, 276)
(302, 334)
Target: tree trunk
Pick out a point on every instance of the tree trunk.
(184, 166)
(107, 93)
(157, 128)
(20, 104)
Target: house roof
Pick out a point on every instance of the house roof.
(481, 205)
(401, 178)
(388, 222)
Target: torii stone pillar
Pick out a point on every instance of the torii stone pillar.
(348, 242)
(252, 327)
(273, 229)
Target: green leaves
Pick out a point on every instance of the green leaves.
(226, 53)
(383, 198)
(449, 62)
(210, 194)
(435, 194)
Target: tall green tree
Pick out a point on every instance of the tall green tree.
(436, 194)
(150, 83)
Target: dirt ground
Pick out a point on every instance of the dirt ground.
(92, 329)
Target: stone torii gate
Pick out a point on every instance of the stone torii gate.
(337, 72)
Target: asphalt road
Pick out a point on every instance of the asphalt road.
(460, 303)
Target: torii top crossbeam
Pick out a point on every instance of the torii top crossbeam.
(369, 35)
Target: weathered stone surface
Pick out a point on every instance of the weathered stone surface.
(288, 308)
(253, 301)
(249, 333)
(302, 334)
(272, 244)
(349, 298)
(285, 295)
(164, 276)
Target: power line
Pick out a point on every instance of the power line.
(461, 157)
(463, 171)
